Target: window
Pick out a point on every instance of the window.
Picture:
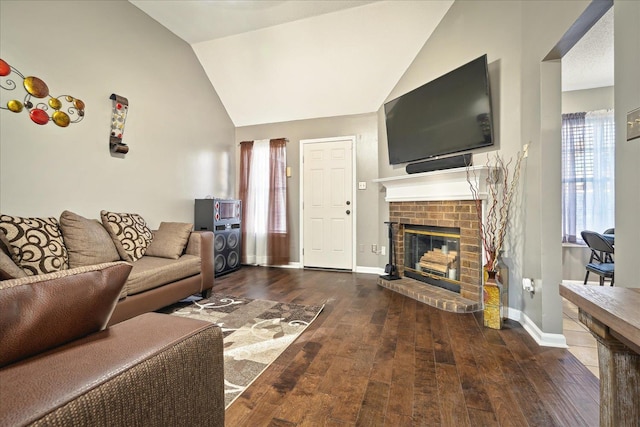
(588, 164)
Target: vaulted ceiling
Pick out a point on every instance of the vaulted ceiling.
(281, 60)
(274, 61)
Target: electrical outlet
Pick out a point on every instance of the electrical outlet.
(383, 250)
(528, 285)
(525, 150)
(362, 185)
(374, 248)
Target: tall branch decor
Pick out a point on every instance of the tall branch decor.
(501, 185)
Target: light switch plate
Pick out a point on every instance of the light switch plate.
(362, 185)
(633, 124)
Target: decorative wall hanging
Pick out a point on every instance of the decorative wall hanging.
(119, 116)
(39, 111)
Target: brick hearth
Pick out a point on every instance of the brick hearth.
(431, 295)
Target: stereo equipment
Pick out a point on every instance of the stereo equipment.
(218, 211)
(227, 238)
(461, 161)
(223, 217)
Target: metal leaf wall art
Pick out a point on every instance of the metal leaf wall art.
(61, 110)
(119, 110)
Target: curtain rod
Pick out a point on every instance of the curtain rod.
(271, 140)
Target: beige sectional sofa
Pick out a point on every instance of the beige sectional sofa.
(168, 264)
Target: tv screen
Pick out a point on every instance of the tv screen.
(447, 115)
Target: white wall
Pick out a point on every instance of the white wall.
(469, 30)
(179, 134)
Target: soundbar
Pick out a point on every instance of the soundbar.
(460, 161)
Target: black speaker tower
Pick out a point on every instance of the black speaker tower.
(390, 268)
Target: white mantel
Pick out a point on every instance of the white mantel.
(449, 184)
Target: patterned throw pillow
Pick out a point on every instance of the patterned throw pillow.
(129, 233)
(36, 244)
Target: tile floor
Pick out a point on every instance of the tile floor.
(580, 341)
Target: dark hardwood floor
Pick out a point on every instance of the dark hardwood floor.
(374, 357)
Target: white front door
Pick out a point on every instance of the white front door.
(328, 205)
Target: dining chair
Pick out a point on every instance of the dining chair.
(609, 232)
(606, 257)
(601, 260)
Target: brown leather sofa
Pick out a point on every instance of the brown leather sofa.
(59, 366)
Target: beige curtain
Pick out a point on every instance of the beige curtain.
(277, 231)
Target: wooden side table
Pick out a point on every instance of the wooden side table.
(612, 315)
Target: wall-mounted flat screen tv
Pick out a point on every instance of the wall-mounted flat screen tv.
(447, 115)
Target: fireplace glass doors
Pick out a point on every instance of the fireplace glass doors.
(432, 255)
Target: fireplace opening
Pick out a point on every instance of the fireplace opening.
(432, 255)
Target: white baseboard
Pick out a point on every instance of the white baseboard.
(290, 265)
(358, 269)
(542, 338)
(369, 270)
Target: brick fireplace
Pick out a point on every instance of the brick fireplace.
(432, 200)
(447, 214)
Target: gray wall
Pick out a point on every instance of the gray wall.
(179, 134)
(627, 98)
(469, 30)
(516, 36)
(364, 127)
(575, 257)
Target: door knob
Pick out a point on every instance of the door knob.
(348, 203)
(348, 211)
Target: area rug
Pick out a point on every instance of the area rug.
(255, 333)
